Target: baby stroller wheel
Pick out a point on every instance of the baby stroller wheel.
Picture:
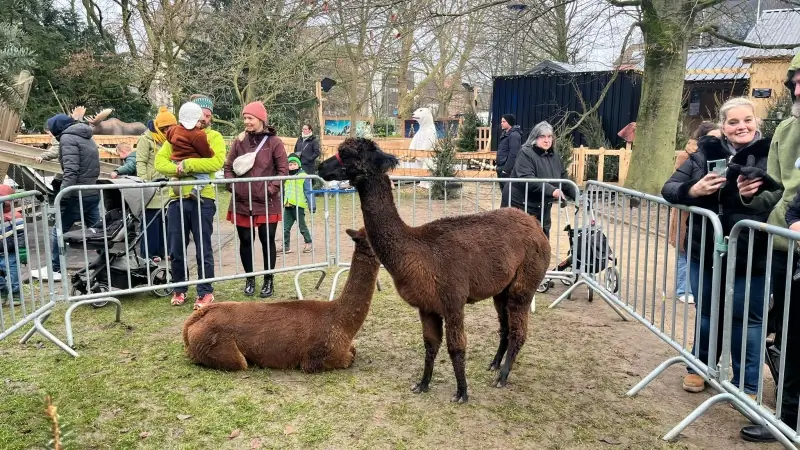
(100, 287)
(544, 286)
(565, 282)
(158, 277)
(612, 279)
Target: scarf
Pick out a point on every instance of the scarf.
(158, 136)
(306, 136)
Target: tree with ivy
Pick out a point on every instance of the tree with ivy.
(14, 58)
(468, 133)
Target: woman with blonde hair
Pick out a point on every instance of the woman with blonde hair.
(721, 191)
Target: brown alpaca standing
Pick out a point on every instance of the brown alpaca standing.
(443, 265)
(312, 335)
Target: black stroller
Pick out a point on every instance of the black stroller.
(599, 258)
(113, 265)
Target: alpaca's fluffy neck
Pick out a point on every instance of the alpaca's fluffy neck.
(387, 232)
(353, 303)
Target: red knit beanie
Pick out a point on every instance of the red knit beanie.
(257, 110)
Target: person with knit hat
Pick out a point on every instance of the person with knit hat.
(189, 141)
(152, 245)
(256, 207)
(192, 218)
(508, 146)
(295, 205)
(783, 152)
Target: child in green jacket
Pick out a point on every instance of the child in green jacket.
(294, 206)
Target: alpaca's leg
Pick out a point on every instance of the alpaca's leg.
(518, 309)
(457, 347)
(341, 359)
(316, 358)
(219, 352)
(353, 350)
(501, 305)
(432, 335)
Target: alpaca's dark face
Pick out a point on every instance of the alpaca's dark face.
(362, 243)
(355, 159)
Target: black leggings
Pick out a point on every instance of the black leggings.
(266, 234)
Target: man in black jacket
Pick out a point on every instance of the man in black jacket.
(537, 160)
(508, 146)
(80, 163)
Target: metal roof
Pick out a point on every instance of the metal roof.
(711, 64)
(562, 67)
(777, 26)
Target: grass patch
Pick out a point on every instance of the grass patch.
(132, 387)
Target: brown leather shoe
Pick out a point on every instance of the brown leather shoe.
(694, 383)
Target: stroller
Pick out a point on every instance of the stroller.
(600, 257)
(113, 265)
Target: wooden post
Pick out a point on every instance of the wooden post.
(601, 164)
(318, 89)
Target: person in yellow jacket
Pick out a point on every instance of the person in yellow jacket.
(295, 205)
(195, 217)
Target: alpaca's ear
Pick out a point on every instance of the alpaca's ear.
(356, 234)
(386, 161)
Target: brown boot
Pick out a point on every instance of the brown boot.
(694, 383)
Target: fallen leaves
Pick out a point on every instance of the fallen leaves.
(288, 429)
(234, 434)
(145, 434)
(183, 416)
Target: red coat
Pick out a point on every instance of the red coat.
(271, 161)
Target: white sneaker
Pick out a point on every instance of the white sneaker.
(43, 274)
(686, 299)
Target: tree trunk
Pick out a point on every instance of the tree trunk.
(665, 26)
(354, 105)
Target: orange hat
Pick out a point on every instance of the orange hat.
(164, 118)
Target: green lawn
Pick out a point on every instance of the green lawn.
(132, 387)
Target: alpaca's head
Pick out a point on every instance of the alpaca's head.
(356, 159)
(362, 243)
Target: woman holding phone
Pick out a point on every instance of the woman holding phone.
(711, 179)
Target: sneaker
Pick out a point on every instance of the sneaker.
(694, 383)
(178, 299)
(307, 248)
(15, 300)
(203, 301)
(686, 299)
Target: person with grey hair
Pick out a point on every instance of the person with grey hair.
(536, 159)
(738, 154)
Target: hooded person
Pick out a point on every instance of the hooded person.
(295, 205)
(783, 152)
(80, 165)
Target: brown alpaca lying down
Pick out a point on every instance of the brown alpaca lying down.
(312, 335)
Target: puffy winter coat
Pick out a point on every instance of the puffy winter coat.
(726, 203)
(270, 161)
(80, 160)
(507, 149)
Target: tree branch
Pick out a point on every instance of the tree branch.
(624, 3)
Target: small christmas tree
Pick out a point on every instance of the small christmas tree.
(468, 133)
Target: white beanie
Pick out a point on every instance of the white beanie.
(189, 114)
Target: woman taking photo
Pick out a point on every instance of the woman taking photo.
(722, 192)
(256, 207)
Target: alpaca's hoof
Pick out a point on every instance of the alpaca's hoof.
(460, 398)
(419, 388)
(500, 381)
(493, 366)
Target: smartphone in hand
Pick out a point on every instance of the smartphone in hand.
(718, 166)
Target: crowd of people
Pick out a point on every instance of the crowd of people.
(183, 148)
(731, 169)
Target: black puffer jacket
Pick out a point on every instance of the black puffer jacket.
(726, 202)
(507, 149)
(308, 150)
(80, 160)
(534, 162)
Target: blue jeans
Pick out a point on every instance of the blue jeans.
(11, 276)
(154, 244)
(183, 223)
(680, 276)
(71, 213)
(754, 315)
(312, 201)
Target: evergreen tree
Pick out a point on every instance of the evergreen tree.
(14, 57)
(468, 134)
